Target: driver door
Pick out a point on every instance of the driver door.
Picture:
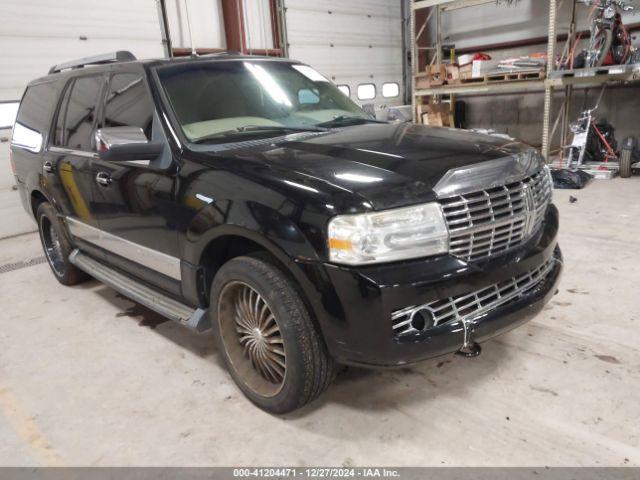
(134, 201)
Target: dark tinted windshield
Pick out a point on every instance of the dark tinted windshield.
(220, 96)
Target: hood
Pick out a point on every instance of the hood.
(389, 165)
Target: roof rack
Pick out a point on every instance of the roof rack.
(119, 56)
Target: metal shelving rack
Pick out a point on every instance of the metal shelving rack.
(565, 81)
(440, 7)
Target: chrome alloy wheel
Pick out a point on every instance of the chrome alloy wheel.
(252, 338)
(52, 246)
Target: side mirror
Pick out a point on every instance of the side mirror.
(125, 144)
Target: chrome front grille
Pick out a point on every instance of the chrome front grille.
(468, 306)
(492, 221)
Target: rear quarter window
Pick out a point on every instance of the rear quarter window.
(34, 116)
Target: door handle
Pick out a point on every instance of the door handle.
(47, 167)
(103, 178)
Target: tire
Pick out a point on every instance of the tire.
(625, 163)
(266, 336)
(57, 246)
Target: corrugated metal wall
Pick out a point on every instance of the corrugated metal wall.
(490, 24)
(350, 42)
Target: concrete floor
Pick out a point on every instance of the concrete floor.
(90, 378)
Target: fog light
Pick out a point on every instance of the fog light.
(422, 320)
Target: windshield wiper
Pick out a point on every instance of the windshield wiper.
(260, 128)
(344, 120)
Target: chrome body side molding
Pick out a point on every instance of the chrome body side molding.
(147, 257)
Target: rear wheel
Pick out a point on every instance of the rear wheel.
(57, 246)
(265, 334)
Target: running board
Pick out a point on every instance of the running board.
(195, 319)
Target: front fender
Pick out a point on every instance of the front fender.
(288, 238)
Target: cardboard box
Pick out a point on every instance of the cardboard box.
(433, 76)
(436, 115)
(466, 72)
(453, 74)
(437, 75)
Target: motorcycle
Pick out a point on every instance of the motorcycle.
(610, 42)
(593, 140)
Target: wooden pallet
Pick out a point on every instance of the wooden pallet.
(507, 77)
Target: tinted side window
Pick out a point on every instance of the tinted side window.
(128, 103)
(37, 106)
(81, 113)
(34, 116)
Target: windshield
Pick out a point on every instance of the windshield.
(213, 100)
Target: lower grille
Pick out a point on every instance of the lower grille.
(468, 306)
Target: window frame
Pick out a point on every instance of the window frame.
(391, 96)
(375, 91)
(56, 114)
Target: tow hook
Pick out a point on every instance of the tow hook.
(470, 351)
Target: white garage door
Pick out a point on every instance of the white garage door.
(356, 43)
(36, 34)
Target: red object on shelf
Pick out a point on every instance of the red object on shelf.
(481, 56)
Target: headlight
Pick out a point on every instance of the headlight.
(576, 127)
(388, 236)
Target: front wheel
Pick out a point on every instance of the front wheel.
(600, 48)
(266, 336)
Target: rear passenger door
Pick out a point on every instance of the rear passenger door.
(71, 152)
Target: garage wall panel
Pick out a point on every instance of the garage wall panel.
(207, 23)
(36, 34)
(259, 33)
(354, 42)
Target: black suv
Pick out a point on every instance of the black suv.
(251, 196)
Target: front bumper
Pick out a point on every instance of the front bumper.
(354, 306)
